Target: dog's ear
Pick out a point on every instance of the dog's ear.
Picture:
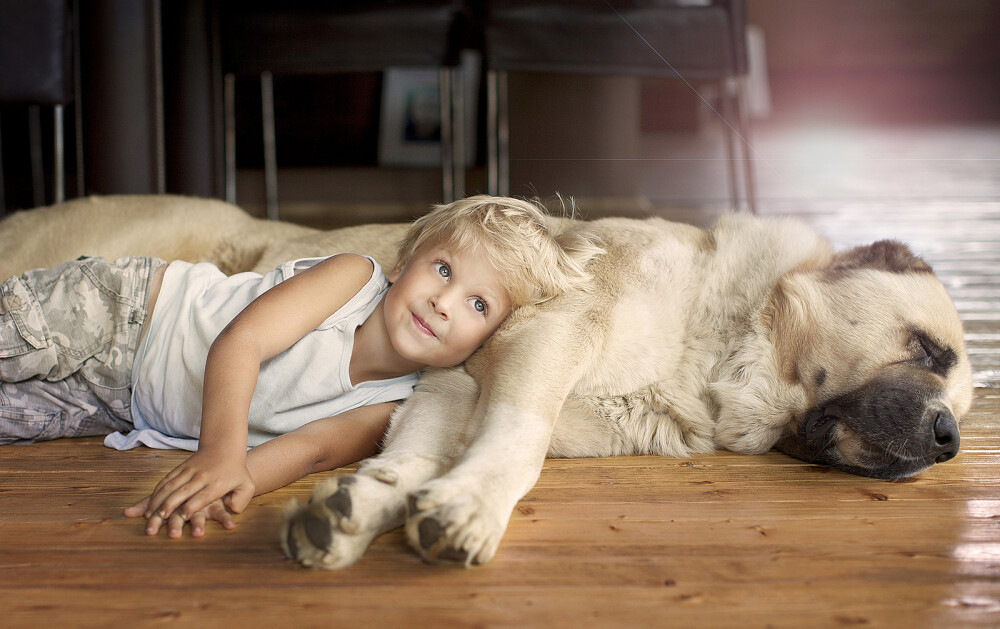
(884, 255)
(786, 317)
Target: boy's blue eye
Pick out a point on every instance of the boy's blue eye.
(479, 305)
(443, 269)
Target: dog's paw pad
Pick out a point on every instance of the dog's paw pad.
(430, 532)
(460, 530)
(318, 531)
(339, 502)
(321, 533)
(303, 538)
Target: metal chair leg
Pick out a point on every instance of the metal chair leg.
(447, 144)
(729, 137)
(270, 155)
(458, 132)
(77, 100)
(58, 156)
(37, 171)
(748, 162)
(229, 106)
(503, 137)
(491, 132)
(497, 134)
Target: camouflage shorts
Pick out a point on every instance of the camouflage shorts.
(68, 337)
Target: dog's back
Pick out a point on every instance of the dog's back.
(164, 226)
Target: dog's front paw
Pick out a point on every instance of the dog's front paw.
(324, 533)
(445, 524)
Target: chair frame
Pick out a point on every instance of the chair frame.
(734, 116)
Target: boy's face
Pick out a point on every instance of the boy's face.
(443, 304)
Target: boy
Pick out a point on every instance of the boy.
(303, 365)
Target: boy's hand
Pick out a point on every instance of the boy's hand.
(199, 481)
(175, 525)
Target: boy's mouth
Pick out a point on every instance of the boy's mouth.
(422, 326)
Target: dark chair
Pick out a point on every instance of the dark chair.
(262, 38)
(691, 40)
(37, 70)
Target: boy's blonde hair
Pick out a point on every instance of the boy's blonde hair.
(518, 237)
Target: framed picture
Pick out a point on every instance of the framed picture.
(410, 119)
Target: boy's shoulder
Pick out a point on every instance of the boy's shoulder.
(340, 277)
(353, 263)
(347, 266)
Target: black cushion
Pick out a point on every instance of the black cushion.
(303, 37)
(699, 39)
(36, 48)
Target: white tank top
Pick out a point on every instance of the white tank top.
(308, 381)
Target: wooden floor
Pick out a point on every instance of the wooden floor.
(721, 540)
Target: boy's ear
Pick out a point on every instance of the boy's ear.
(394, 275)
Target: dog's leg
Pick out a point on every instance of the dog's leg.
(525, 374)
(346, 513)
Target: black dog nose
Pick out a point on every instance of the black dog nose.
(946, 438)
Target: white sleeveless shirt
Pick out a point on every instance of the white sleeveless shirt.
(308, 381)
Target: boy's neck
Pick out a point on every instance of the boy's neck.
(373, 356)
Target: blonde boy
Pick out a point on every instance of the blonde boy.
(304, 364)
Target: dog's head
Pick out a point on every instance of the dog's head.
(876, 344)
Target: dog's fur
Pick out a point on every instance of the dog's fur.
(750, 335)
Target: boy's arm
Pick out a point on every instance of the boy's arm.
(321, 445)
(266, 327)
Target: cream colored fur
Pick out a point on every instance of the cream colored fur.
(686, 341)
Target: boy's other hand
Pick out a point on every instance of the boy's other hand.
(199, 481)
(175, 525)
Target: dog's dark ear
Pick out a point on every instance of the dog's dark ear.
(883, 255)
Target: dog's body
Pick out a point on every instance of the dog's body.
(749, 335)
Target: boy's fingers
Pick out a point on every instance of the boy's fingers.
(198, 524)
(153, 525)
(175, 527)
(185, 500)
(138, 509)
(163, 491)
(200, 499)
(240, 498)
(223, 517)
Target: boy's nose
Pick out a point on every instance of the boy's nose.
(439, 304)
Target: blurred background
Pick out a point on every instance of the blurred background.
(881, 100)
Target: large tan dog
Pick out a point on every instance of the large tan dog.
(751, 335)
